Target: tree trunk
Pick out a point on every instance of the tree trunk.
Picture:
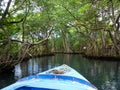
(66, 43)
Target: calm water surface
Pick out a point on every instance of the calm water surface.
(105, 75)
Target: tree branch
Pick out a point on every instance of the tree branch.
(48, 35)
(32, 44)
(69, 12)
(6, 10)
(14, 22)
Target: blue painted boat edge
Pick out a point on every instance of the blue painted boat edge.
(62, 77)
(33, 88)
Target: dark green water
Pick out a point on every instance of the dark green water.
(105, 75)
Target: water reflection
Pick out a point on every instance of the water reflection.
(18, 72)
(30, 67)
(104, 75)
(109, 85)
(37, 65)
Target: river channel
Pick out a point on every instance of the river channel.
(104, 74)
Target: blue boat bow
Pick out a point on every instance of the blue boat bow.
(69, 79)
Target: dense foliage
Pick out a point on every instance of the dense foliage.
(35, 27)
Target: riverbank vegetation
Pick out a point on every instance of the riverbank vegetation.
(31, 28)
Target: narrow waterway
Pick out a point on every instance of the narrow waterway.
(105, 75)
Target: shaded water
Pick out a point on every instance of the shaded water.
(105, 75)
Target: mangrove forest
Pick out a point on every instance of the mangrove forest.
(32, 28)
